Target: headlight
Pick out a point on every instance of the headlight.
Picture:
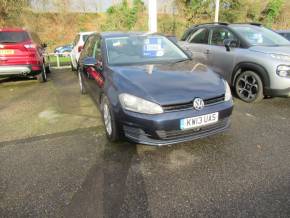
(281, 57)
(136, 104)
(283, 71)
(228, 93)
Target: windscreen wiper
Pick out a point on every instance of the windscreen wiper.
(182, 60)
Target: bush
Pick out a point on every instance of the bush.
(122, 16)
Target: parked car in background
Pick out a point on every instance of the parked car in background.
(148, 90)
(78, 45)
(284, 33)
(253, 59)
(21, 54)
(64, 50)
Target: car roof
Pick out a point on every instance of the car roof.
(12, 29)
(225, 24)
(124, 34)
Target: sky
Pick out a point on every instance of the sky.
(95, 5)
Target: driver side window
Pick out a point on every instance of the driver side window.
(218, 36)
(97, 48)
(199, 36)
(89, 46)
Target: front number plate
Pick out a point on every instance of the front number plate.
(195, 122)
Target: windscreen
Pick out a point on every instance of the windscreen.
(13, 37)
(256, 35)
(142, 49)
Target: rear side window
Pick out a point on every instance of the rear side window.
(13, 37)
(199, 36)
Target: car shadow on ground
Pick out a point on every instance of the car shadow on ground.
(15, 79)
(21, 78)
(105, 191)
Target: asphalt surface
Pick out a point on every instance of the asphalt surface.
(55, 161)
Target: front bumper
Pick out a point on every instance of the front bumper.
(278, 92)
(164, 129)
(15, 70)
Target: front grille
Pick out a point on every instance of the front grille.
(189, 105)
(215, 100)
(173, 134)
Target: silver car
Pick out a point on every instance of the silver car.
(253, 59)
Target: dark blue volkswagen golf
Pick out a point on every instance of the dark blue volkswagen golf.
(149, 90)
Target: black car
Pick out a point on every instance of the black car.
(149, 91)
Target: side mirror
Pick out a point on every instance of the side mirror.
(90, 62)
(230, 43)
(93, 62)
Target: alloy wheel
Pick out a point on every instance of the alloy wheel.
(248, 87)
(80, 81)
(107, 118)
(44, 72)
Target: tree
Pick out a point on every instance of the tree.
(195, 10)
(272, 11)
(233, 10)
(10, 11)
(123, 16)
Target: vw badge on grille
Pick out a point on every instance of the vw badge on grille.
(198, 104)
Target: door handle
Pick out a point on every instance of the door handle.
(207, 51)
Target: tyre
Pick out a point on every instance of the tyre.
(249, 87)
(81, 83)
(42, 76)
(111, 126)
(47, 69)
(72, 67)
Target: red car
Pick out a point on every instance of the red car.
(21, 54)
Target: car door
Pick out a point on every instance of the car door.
(93, 65)
(197, 44)
(220, 60)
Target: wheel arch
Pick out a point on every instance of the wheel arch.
(260, 70)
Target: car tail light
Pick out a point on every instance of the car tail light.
(80, 48)
(30, 46)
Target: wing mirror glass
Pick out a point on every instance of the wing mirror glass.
(90, 62)
(231, 43)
